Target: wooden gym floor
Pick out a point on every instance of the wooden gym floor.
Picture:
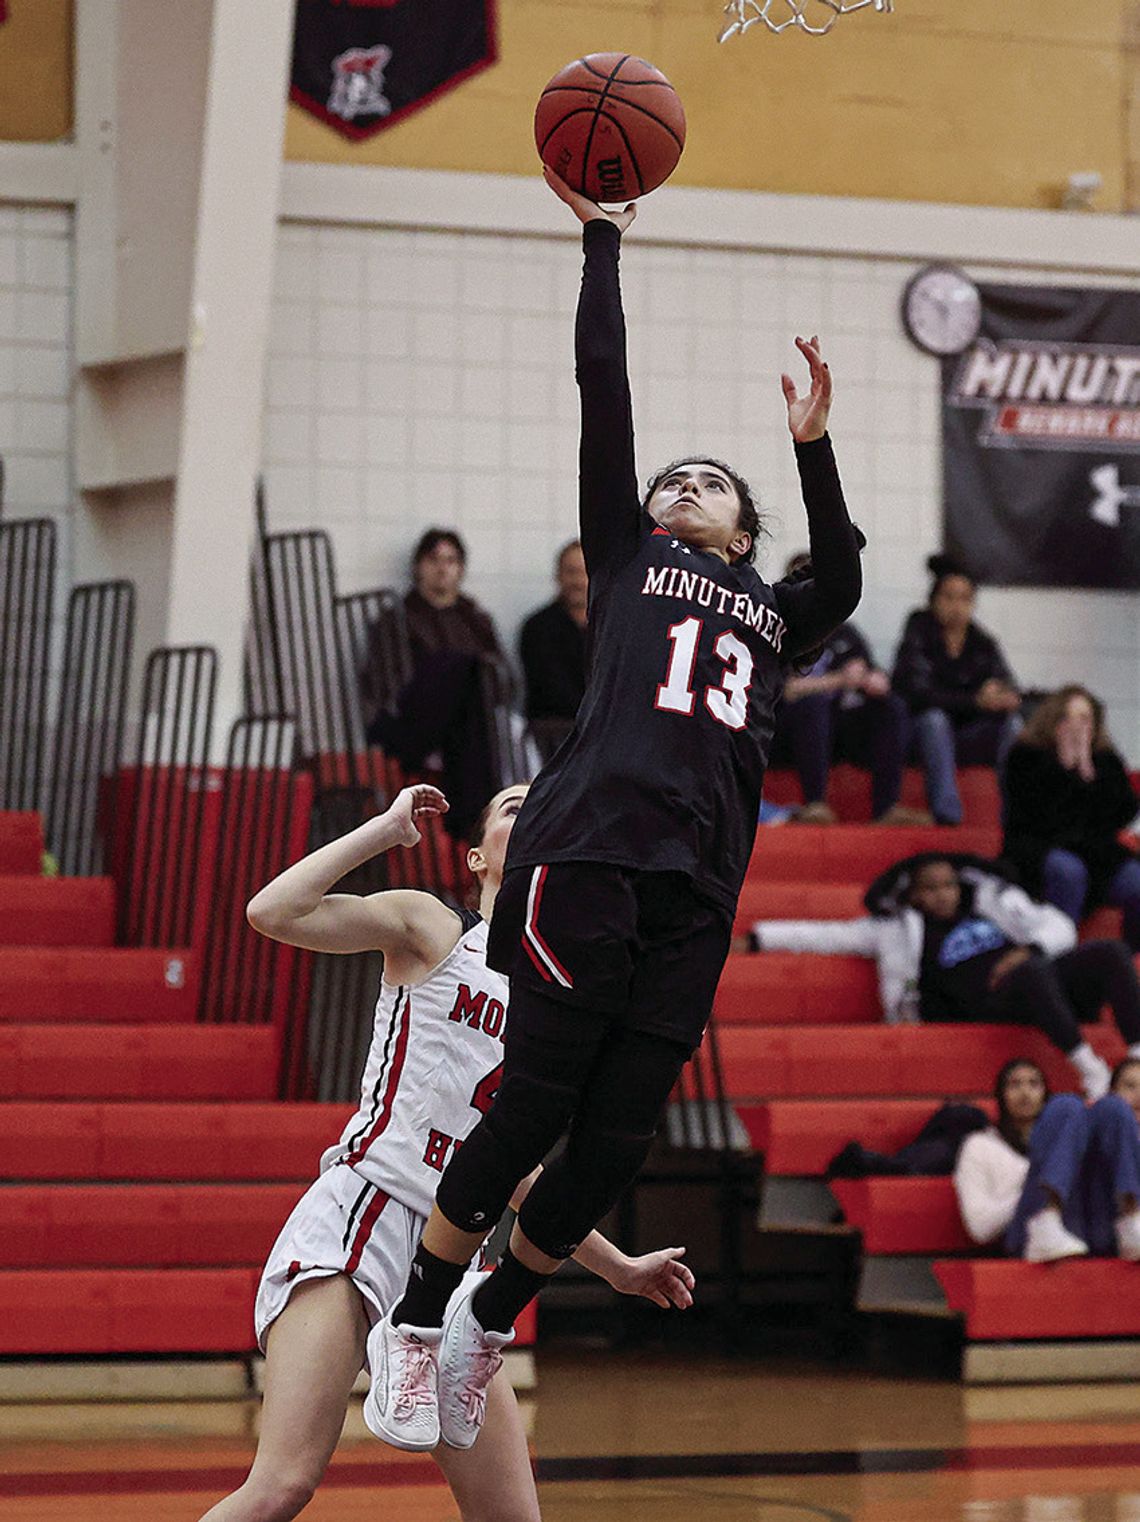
(624, 1436)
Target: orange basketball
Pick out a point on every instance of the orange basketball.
(611, 125)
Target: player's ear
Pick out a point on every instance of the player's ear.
(476, 861)
(740, 544)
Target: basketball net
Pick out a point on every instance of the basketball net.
(816, 17)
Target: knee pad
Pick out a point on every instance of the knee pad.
(581, 1186)
(524, 1123)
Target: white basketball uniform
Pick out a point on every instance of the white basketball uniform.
(433, 1069)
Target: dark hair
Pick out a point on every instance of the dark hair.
(433, 538)
(929, 859)
(941, 568)
(1118, 1070)
(749, 519)
(1006, 1124)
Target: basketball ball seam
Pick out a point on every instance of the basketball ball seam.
(600, 95)
(589, 143)
(597, 73)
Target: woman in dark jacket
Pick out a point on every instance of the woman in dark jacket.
(956, 681)
(1068, 796)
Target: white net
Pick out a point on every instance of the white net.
(812, 16)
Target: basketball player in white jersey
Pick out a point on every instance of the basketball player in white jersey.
(344, 1254)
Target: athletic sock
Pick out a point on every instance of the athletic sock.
(431, 1284)
(498, 1302)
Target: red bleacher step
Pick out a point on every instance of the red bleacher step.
(784, 988)
(799, 1137)
(141, 1142)
(143, 1225)
(110, 983)
(883, 1061)
(855, 853)
(763, 898)
(101, 1311)
(849, 792)
(903, 1215)
(146, 1062)
(21, 843)
(57, 911)
(1006, 1299)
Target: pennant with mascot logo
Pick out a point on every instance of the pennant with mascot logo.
(361, 65)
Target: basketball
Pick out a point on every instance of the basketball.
(611, 125)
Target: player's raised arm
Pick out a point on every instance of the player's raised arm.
(812, 608)
(608, 502)
(299, 908)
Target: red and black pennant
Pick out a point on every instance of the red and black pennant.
(361, 65)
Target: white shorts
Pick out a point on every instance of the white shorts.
(342, 1224)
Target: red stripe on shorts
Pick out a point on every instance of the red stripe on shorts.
(385, 1115)
(364, 1231)
(543, 943)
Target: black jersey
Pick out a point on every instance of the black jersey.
(664, 768)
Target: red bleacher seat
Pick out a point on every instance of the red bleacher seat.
(129, 1062)
(903, 1215)
(143, 1225)
(139, 1142)
(849, 792)
(762, 898)
(101, 1311)
(853, 853)
(21, 844)
(784, 988)
(57, 911)
(839, 1060)
(58, 984)
(799, 1137)
(1004, 1299)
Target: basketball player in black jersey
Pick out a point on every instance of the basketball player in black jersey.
(614, 917)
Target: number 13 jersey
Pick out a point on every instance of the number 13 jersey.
(432, 1071)
(686, 656)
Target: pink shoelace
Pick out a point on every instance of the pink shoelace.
(485, 1364)
(417, 1379)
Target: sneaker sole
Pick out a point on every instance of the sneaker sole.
(396, 1440)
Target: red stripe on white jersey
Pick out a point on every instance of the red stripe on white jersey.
(534, 937)
(385, 1114)
(364, 1231)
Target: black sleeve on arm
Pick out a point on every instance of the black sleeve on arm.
(608, 507)
(812, 609)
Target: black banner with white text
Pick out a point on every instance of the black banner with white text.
(1041, 439)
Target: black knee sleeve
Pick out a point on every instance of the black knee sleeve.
(526, 1120)
(580, 1186)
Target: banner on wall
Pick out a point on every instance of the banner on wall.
(361, 65)
(1041, 439)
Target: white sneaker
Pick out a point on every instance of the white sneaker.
(1095, 1075)
(469, 1359)
(1048, 1239)
(1128, 1237)
(402, 1406)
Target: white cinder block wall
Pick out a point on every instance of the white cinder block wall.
(424, 377)
(36, 361)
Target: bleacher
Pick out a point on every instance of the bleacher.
(810, 1066)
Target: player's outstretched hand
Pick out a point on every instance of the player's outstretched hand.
(658, 1276)
(807, 415)
(413, 803)
(583, 208)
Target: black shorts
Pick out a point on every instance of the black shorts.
(639, 947)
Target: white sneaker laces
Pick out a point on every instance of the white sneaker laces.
(417, 1380)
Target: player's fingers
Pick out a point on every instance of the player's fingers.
(672, 1253)
(659, 1299)
(789, 389)
(686, 1275)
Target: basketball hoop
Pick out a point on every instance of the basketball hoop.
(816, 17)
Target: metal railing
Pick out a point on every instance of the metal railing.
(27, 585)
(160, 877)
(88, 731)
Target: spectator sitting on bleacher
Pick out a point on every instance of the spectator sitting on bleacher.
(552, 646)
(441, 710)
(842, 708)
(1067, 797)
(957, 940)
(958, 685)
(1053, 1179)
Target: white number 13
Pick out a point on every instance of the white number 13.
(727, 703)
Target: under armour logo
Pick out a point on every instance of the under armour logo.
(676, 544)
(1110, 495)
